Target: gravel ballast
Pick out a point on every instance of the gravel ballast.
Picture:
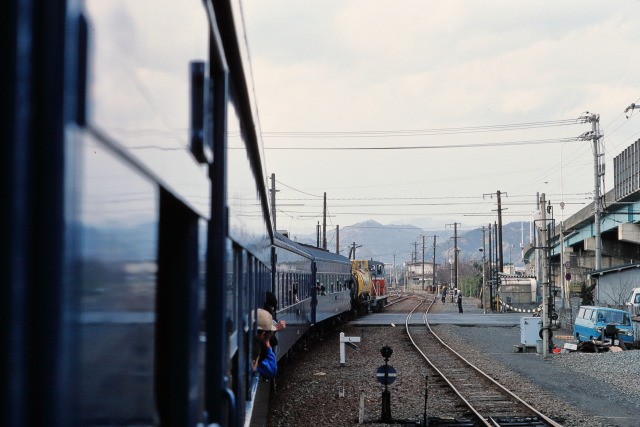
(575, 389)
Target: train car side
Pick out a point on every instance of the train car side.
(138, 249)
(334, 284)
(294, 290)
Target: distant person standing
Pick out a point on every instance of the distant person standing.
(444, 294)
(459, 301)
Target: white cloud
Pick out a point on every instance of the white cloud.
(377, 65)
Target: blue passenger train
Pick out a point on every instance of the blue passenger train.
(136, 236)
(312, 286)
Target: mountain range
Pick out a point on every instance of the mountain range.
(405, 242)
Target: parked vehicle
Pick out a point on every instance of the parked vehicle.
(592, 323)
(632, 302)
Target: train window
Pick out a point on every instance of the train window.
(131, 93)
(117, 230)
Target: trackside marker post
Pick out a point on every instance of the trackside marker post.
(349, 341)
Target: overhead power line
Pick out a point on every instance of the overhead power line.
(419, 132)
(429, 198)
(431, 147)
(295, 189)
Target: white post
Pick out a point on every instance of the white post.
(343, 340)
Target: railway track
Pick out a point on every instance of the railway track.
(487, 402)
(394, 299)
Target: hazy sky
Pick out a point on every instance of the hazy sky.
(442, 75)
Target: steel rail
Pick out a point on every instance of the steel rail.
(398, 298)
(483, 374)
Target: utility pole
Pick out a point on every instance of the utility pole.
(423, 280)
(352, 250)
(434, 264)
(273, 192)
(536, 243)
(490, 269)
(395, 273)
(598, 172)
(497, 263)
(484, 277)
(545, 303)
(324, 224)
(337, 239)
(499, 251)
(521, 241)
(318, 235)
(455, 253)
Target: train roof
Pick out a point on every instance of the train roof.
(284, 242)
(317, 254)
(323, 255)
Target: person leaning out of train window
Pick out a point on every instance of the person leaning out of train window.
(267, 366)
(271, 303)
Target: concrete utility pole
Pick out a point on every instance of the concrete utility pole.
(434, 263)
(598, 172)
(423, 263)
(499, 250)
(545, 278)
(324, 224)
(598, 167)
(337, 239)
(352, 250)
(536, 243)
(273, 192)
(484, 277)
(490, 269)
(455, 253)
(395, 273)
(497, 263)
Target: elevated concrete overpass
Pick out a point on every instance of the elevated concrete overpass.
(620, 232)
